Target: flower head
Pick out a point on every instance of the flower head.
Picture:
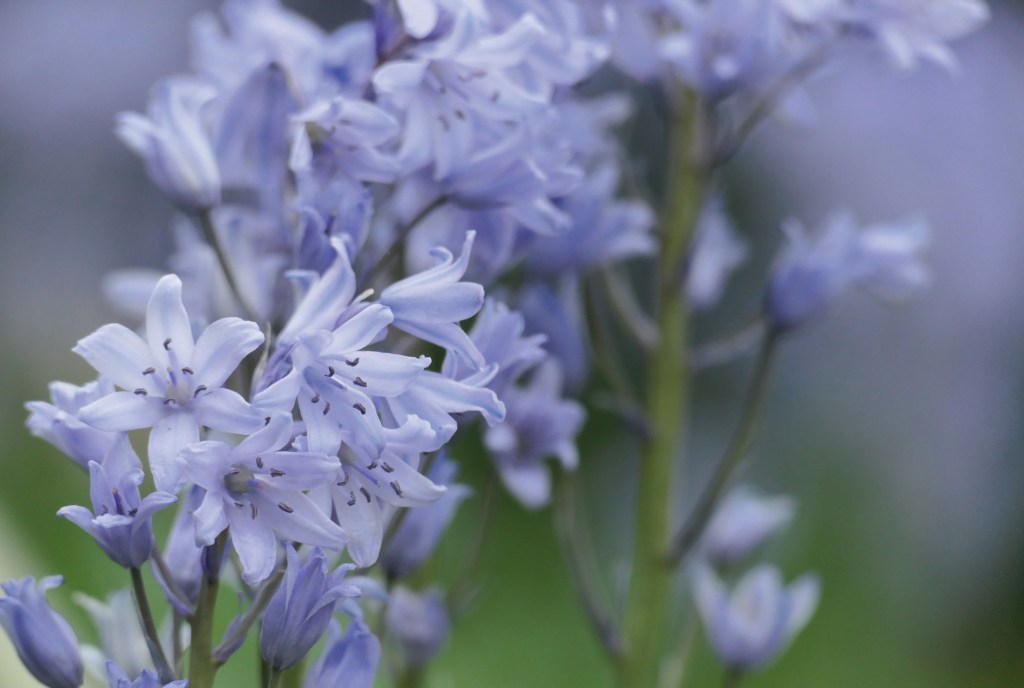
(750, 626)
(171, 381)
(43, 638)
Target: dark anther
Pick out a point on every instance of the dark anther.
(200, 388)
(252, 510)
(387, 467)
(360, 382)
(141, 392)
(266, 420)
(259, 461)
(373, 464)
(167, 344)
(396, 487)
(327, 407)
(168, 402)
(315, 399)
(366, 494)
(330, 371)
(460, 114)
(344, 482)
(239, 505)
(276, 472)
(188, 371)
(285, 508)
(149, 371)
(359, 407)
(444, 122)
(132, 512)
(354, 362)
(351, 499)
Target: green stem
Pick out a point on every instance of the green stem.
(651, 581)
(202, 666)
(273, 678)
(263, 597)
(292, 677)
(694, 526)
(156, 651)
(732, 678)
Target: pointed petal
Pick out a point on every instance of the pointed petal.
(362, 521)
(118, 354)
(222, 409)
(123, 411)
(221, 347)
(255, 544)
(170, 435)
(210, 519)
(167, 325)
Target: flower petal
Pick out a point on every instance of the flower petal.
(221, 347)
(117, 353)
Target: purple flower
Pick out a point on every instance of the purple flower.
(350, 661)
(752, 625)
(420, 623)
(123, 523)
(539, 423)
(256, 491)
(301, 608)
(174, 144)
(172, 381)
(812, 271)
(429, 304)
(147, 679)
(742, 522)
(43, 638)
(58, 422)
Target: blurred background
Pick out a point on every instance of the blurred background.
(897, 429)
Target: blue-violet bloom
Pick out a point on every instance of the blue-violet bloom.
(43, 638)
(301, 608)
(122, 524)
(172, 382)
(753, 624)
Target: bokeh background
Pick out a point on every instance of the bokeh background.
(897, 429)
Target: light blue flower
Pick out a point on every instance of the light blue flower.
(498, 334)
(419, 532)
(343, 137)
(174, 144)
(455, 90)
(147, 679)
(58, 422)
(910, 31)
(429, 305)
(742, 522)
(420, 622)
(301, 608)
(123, 523)
(251, 141)
(349, 661)
(172, 382)
(540, 423)
(43, 638)
(812, 271)
(754, 623)
(256, 491)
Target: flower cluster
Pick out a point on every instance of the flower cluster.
(386, 234)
